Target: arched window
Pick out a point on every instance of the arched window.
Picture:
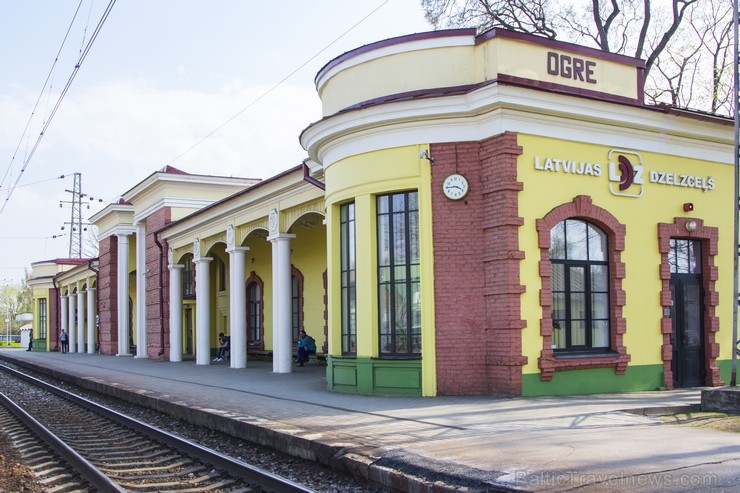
(580, 287)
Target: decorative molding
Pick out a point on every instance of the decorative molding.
(549, 362)
(709, 238)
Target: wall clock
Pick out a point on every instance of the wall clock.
(455, 187)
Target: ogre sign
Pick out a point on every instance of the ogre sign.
(570, 67)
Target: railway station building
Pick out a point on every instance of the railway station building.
(477, 214)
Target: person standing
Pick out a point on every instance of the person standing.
(64, 340)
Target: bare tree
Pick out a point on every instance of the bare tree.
(695, 70)
(686, 45)
(530, 16)
(713, 25)
(629, 27)
(90, 242)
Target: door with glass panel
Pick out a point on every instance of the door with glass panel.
(687, 297)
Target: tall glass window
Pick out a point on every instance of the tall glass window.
(254, 312)
(580, 286)
(399, 283)
(42, 318)
(221, 274)
(188, 278)
(348, 282)
(296, 289)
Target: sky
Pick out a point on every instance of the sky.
(215, 87)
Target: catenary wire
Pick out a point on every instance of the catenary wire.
(61, 98)
(275, 86)
(41, 94)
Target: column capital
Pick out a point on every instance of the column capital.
(202, 260)
(175, 266)
(237, 249)
(280, 237)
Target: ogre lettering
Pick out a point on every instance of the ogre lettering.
(570, 67)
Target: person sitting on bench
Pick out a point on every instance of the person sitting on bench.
(306, 347)
(224, 343)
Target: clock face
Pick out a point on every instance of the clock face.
(455, 187)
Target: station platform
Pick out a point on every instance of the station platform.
(602, 443)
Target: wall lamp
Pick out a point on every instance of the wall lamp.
(690, 225)
(425, 155)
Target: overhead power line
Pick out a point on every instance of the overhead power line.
(276, 85)
(76, 69)
(41, 94)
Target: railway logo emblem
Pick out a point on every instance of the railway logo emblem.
(626, 173)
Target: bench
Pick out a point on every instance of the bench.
(261, 354)
(266, 355)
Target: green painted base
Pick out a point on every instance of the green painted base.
(596, 381)
(725, 370)
(374, 376)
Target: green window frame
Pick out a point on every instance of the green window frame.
(399, 275)
(42, 318)
(348, 267)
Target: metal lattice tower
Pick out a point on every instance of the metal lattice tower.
(75, 221)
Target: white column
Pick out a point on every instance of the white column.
(122, 301)
(203, 311)
(72, 300)
(176, 312)
(64, 305)
(141, 336)
(282, 354)
(91, 320)
(81, 322)
(238, 306)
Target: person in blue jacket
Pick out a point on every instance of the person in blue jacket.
(306, 347)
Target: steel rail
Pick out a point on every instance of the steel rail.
(268, 481)
(85, 469)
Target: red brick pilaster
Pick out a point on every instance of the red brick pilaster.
(54, 321)
(157, 280)
(108, 295)
(476, 269)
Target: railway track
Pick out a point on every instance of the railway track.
(79, 445)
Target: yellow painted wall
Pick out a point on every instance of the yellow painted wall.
(259, 260)
(360, 178)
(365, 76)
(530, 61)
(39, 293)
(544, 190)
(309, 256)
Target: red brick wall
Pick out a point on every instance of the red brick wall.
(476, 269)
(157, 297)
(54, 321)
(107, 295)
